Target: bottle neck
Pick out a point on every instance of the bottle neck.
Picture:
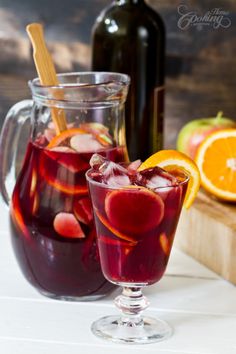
(131, 2)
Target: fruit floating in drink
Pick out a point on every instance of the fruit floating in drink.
(53, 232)
(137, 208)
(136, 215)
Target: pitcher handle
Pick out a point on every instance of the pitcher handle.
(9, 141)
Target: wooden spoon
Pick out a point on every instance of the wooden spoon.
(46, 71)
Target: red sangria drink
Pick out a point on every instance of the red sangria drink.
(53, 232)
(136, 214)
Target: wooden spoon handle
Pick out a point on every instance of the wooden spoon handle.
(46, 70)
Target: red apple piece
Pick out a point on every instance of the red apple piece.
(66, 225)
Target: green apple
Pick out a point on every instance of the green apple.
(195, 131)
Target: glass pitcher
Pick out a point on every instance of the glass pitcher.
(51, 220)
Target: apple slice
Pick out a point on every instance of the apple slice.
(85, 143)
(99, 131)
(49, 134)
(62, 149)
(94, 127)
(135, 211)
(66, 225)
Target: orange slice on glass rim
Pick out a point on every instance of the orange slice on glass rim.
(171, 160)
(216, 159)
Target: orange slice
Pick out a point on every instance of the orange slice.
(134, 211)
(165, 243)
(68, 189)
(115, 232)
(58, 139)
(172, 160)
(216, 159)
(17, 215)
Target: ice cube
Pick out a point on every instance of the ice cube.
(112, 173)
(156, 177)
(118, 181)
(157, 182)
(115, 175)
(133, 166)
(85, 143)
(97, 161)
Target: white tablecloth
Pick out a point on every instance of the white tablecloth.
(196, 302)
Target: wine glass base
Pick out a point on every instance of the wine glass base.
(152, 330)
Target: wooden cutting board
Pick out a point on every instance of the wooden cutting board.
(207, 232)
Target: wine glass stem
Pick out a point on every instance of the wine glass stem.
(131, 303)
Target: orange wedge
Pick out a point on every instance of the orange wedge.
(216, 159)
(172, 160)
(58, 139)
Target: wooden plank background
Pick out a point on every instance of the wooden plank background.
(200, 62)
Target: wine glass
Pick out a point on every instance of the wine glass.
(136, 223)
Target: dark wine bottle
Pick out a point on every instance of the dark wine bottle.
(129, 37)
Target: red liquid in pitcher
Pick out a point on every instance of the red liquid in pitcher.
(52, 225)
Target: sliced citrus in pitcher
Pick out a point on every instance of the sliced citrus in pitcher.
(66, 134)
(216, 159)
(89, 138)
(99, 131)
(83, 210)
(171, 160)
